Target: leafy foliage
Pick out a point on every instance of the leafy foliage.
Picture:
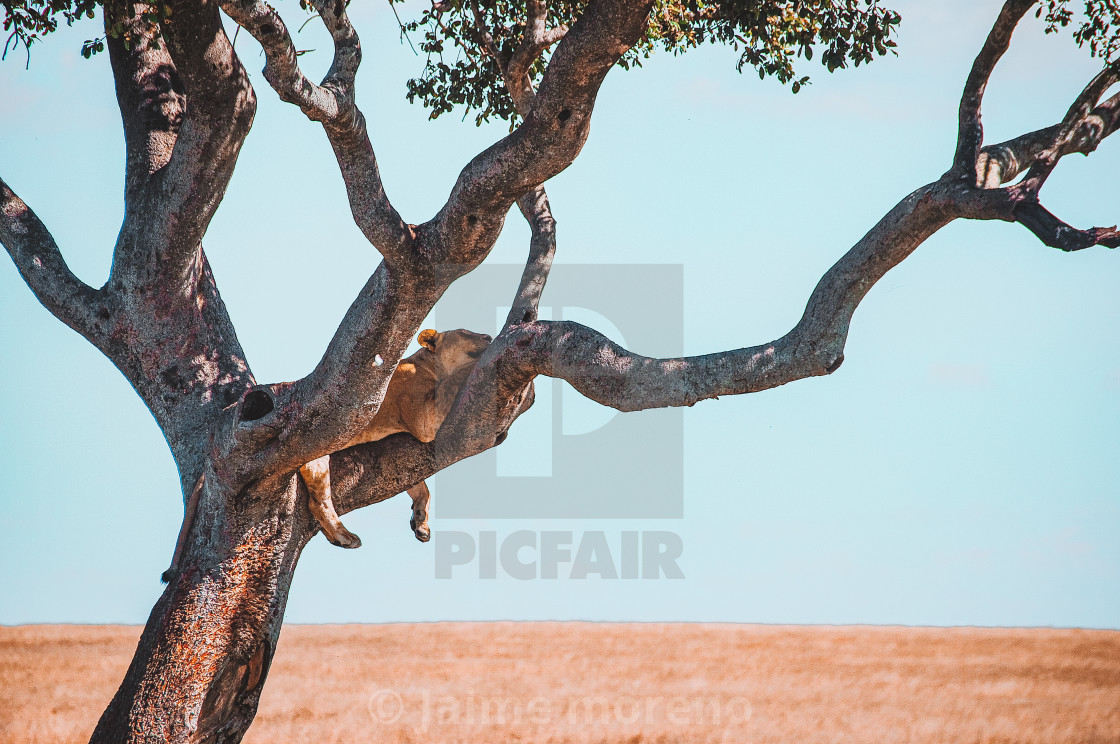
(27, 21)
(468, 42)
(1099, 25)
(462, 68)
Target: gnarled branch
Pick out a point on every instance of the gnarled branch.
(332, 104)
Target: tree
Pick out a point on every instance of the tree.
(187, 107)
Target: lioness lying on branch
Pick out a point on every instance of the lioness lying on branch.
(420, 395)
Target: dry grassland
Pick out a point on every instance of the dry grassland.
(581, 682)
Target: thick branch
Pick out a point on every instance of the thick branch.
(42, 266)
(1001, 163)
(621, 379)
(970, 133)
(615, 377)
(149, 92)
(552, 134)
(171, 198)
(278, 428)
(332, 104)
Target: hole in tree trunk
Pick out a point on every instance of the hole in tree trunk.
(256, 405)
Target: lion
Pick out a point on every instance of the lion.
(418, 399)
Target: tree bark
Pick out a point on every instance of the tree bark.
(205, 651)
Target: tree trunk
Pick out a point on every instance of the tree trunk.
(206, 649)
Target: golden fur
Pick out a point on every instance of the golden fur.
(418, 399)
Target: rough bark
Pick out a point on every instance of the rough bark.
(187, 105)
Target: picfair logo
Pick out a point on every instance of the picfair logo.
(569, 457)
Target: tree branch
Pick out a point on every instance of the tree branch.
(321, 412)
(487, 38)
(999, 164)
(970, 133)
(538, 37)
(542, 249)
(332, 104)
(1057, 234)
(149, 92)
(1074, 127)
(1083, 128)
(615, 377)
(534, 205)
(42, 266)
(173, 196)
(551, 135)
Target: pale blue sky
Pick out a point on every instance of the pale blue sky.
(959, 469)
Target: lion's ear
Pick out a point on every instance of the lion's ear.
(427, 339)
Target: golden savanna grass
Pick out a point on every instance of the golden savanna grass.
(583, 682)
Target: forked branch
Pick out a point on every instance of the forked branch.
(970, 133)
(1083, 128)
(332, 104)
(319, 413)
(538, 38)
